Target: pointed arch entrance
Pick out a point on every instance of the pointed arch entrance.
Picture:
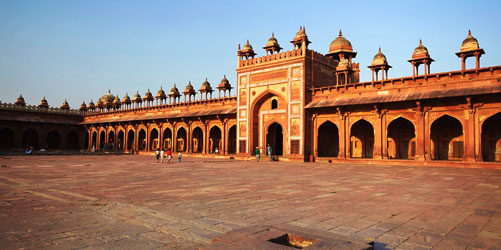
(30, 137)
(130, 140)
(362, 140)
(154, 144)
(447, 141)
(94, 141)
(167, 139)
(328, 140)
(491, 138)
(197, 144)
(401, 139)
(102, 140)
(53, 140)
(111, 140)
(120, 140)
(214, 139)
(141, 140)
(269, 107)
(275, 138)
(7, 138)
(232, 140)
(181, 140)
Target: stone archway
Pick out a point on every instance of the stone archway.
(214, 139)
(197, 144)
(30, 138)
(130, 140)
(7, 138)
(73, 140)
(491, 138)
(111, 140)
(102, 140)
(181, 140)
(328, 140)
(447, 139)
(141, 140)
(120, 140)
(154, 140)
(361, 140)
(53, 140)
(400, 144)
(94, 141)
(232, 140)
(275, 138)
(167, 143)
(270, 106)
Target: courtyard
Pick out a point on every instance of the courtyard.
(133, 202)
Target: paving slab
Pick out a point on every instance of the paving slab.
(131, 201)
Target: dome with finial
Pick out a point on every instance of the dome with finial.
(340, 44)
(189, 89)
(469, 43)
(83, 106)
(126, 98)
(20, 101)
(247, 47)
(108, 98)
(174, 91)
(148, 96)
(224, 84)
(206, 86)
(100, 103)
(65, 105)
(91, 105)
(137, 97)
(379, 58)
(161, 94)
(300, 34)
(116, 101)
(43, 103)
(272, 41)
(420, 51)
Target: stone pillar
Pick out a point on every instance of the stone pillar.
(469, 136)
(420, 135)
(378, 134)
(315, 136)
(342, 137)
(427, 137)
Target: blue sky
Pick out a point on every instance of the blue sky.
(79, 49)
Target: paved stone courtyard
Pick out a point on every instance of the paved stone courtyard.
(132, 202)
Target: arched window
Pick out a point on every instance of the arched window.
(274, 104)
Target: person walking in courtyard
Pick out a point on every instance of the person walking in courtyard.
(258, 153)
(157, 153)
(268, 150)
(162, 156)
(169, 155)
(179, 156)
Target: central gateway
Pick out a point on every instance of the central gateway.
(272, 91)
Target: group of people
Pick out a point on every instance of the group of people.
(160, 154)
(258, 152)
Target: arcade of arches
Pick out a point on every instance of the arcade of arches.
(178, 137)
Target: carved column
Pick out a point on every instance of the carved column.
(469, 129)
(420, 132)
(378, 134)
(315, 135)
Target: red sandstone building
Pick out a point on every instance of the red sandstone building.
(300, 102)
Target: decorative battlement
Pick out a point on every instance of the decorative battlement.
(411, 81)
(37, 109)
(162, 107)
(270, 58)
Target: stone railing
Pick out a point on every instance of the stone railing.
(36, 109)
(269, 58)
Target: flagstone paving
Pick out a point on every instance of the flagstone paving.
(133, 202)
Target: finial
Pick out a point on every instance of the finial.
(340, 33)
(379, 49)
(224, 76)
(304, 28)
(239, 46)
(160, 87)
(109, 92)
(469, 32)
(272, 34)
